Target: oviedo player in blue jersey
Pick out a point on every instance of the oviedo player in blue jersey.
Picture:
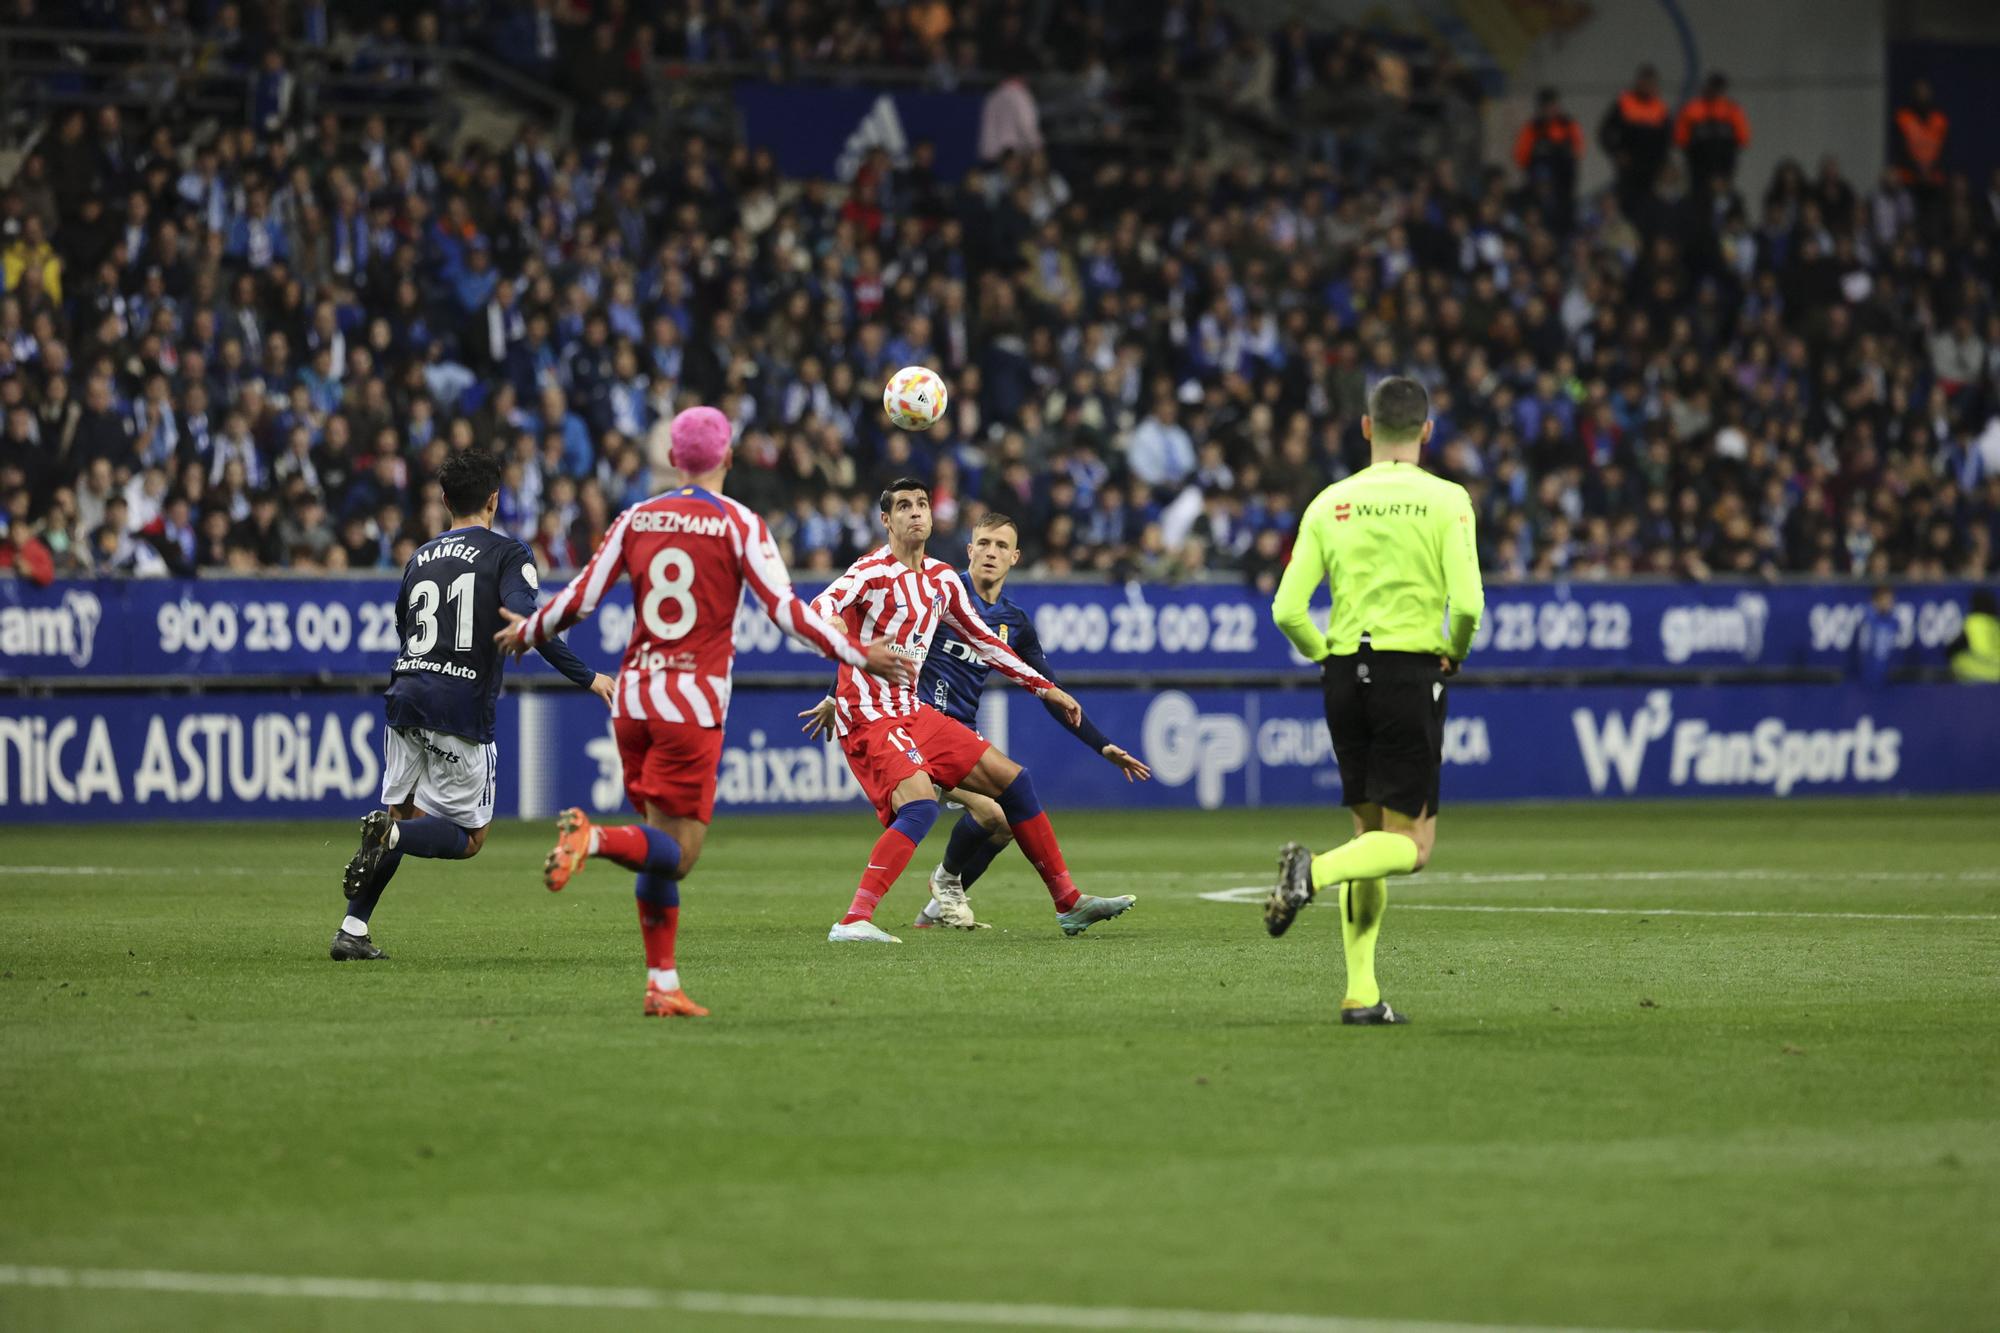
(953, 678)
(439, 767)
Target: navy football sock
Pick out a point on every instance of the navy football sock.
(657, 890)
(966, 835)
(663, 853)
(982, 857)
(364, 902)
(431, 836)
(1019, 802)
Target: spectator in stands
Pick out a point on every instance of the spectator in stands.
(1917, 148)
(1160, 452)
(1783, 381)
(1975, 655)
(30, 260)
(1548, 150)
(1635, 135)
(1711, 132)
(22, 552)
(1009, 120)
(1877, 644)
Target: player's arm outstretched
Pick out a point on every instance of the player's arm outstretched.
(577, 600)
(993, 650)
(517, 603)
(1029, 645)
(772, 585)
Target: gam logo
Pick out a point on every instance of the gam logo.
(68, 630)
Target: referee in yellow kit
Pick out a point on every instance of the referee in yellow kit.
(1397, 545)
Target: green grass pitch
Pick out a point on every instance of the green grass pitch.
(1760, 1091)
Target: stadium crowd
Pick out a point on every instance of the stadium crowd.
(251, 347)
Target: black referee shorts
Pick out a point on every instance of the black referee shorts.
(1385, 712)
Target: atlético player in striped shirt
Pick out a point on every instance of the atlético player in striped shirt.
(690, 553)
(902, 750)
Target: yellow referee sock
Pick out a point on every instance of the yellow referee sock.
(1361, 905)
(1369, 855)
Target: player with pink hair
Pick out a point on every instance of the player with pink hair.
(690, 551)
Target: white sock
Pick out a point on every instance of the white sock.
(354, 925)
(665, 978)
(592, 848)
(395, 831)
(933, 909)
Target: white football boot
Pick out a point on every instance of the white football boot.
(953, 908)
(860, 932)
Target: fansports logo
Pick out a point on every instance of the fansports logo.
(1770, 754)
(68, 630)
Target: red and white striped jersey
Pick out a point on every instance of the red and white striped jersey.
(690, 554)
(880, 597)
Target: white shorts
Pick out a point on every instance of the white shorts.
(445, 775)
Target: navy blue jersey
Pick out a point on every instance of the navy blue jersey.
(954, 676)
(447, 673)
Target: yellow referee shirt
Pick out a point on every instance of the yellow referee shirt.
(1397, 545)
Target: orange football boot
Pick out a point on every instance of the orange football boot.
(671, 1004)
(572, 849)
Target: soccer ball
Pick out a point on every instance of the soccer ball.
(914, 398)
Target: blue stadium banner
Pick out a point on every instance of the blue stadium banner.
(123, 757)
(1216, 749)
(823, 133)
(346, 628)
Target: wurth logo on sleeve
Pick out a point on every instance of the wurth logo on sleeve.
(1342, 512)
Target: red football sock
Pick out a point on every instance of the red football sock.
(622, 844)
(893, 851)
(657, 925)
(1038, 844)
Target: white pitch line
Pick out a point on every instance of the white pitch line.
(1251, 893)
(1750, 876)
(204, 872)
(523, 1296)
